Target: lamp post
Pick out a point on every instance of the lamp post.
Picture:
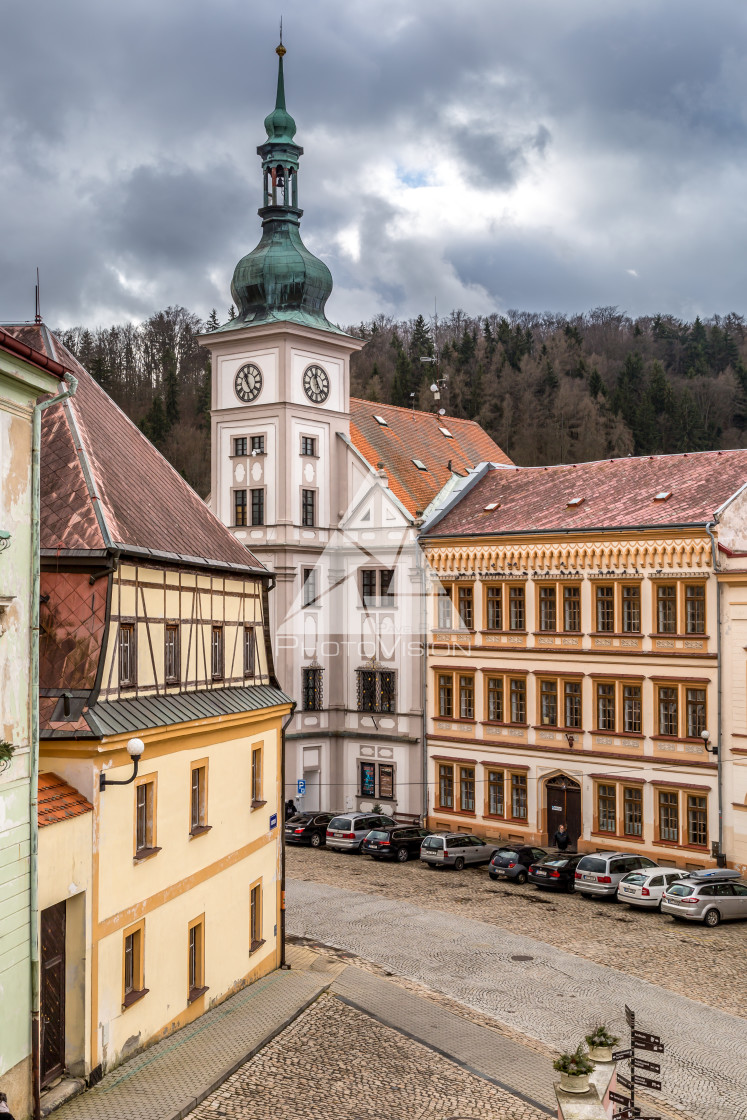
(717, 846)
(135, 748)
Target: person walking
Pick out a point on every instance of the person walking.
(290, 809)
(5, 1112)
(562, 838)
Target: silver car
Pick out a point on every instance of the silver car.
(601, 873)
(645, 888)
(347, 832)
(455, 849)
(711, 896)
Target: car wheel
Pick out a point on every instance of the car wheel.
(459, 863)
(570, 887)
(584, 894)
(402, 855)
(521, 877)
(316, 840)
(712, 918)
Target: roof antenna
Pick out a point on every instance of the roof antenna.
(281, 31)
(37, 300)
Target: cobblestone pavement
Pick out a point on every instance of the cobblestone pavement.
(336, 1063)
(705, 965)
(543, 992)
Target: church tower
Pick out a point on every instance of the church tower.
(280, 392)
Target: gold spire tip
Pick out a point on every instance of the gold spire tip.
(280, 50)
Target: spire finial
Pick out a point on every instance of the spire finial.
(280, 49)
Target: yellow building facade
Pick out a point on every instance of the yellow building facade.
(577, 655)
(160, 807)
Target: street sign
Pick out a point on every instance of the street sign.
(646, 1082)
(630, 1016)
(622, 1080)
(625, 1114)
(618, 1098)
(621, 1055)
(640, 1063)
(301, 787)
(647, 1042)
(273, 821)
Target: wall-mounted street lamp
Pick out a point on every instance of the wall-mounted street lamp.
(135, 748)
(571, 739)
(706, 737)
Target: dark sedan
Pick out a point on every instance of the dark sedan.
(556, 871)
(400, 842)
(513, 863)
(308, 828)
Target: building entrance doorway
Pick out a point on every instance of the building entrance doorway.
(563, 802)
(311, 797)
(52, 993)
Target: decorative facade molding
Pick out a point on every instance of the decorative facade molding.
(570, 559)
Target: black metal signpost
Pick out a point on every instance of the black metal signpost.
(639, 1040)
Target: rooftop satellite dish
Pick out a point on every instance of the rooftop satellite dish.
(442, 412)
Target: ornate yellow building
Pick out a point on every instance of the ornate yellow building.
(585, 631)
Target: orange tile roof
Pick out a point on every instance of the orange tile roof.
(410, 435)
(650, 491)
(58, 801)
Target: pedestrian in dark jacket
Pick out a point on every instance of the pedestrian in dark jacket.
(561, 839)
(5, 1112)
(525, 856)
(290, 809)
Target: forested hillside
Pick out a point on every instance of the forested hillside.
(548, 388)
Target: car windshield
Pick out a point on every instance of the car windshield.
(681, 889)
(588, 863)
(635, 877)
(507, 853)
(433, 842)
(340, 822)
(374, 835)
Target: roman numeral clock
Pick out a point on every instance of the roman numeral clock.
(316, 384)
(248, 382)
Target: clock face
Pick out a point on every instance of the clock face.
(316, 384)
(248, 382)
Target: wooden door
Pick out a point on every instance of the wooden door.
(563, 807)
(52, 992)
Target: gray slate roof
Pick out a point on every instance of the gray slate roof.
(113, 717)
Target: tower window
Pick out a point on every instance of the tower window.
(239, 507)
(258, 507)
(239, 446)
(308, 445)
(258, 445)
(308, 507)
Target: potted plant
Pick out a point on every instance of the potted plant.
(574, 1070)
(600, 1043)
(6, 754)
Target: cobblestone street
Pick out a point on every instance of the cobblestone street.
(702, 964)
(540, 990)
(335, 1063)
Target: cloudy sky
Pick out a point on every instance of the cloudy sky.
(490, 154)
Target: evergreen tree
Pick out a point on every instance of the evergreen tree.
(231, 313)
(154, 424)
(596, 385)
(170, 387)
(421, 343)
(212, 323)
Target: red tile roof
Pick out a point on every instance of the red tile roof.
(103, 482)
(59, 801)
(412, 435)
(615, 493)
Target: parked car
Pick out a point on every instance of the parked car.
(556, 871)
(646, 887)
(514, 862)
(455, 849)
(711, 896)
(347, 832)
(308, 828)
(397, 841)
(601, 873)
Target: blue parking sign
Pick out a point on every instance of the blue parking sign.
(301, 787)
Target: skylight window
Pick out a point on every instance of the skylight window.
(574, 502)
(662, 495)
(445, 432)
(420, 464)
(492, 505)
(381, 420)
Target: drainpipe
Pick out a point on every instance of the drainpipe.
(721, 860)
(72, 383)
(281, 818)
(420, 562)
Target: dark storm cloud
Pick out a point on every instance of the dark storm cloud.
(522, 153)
